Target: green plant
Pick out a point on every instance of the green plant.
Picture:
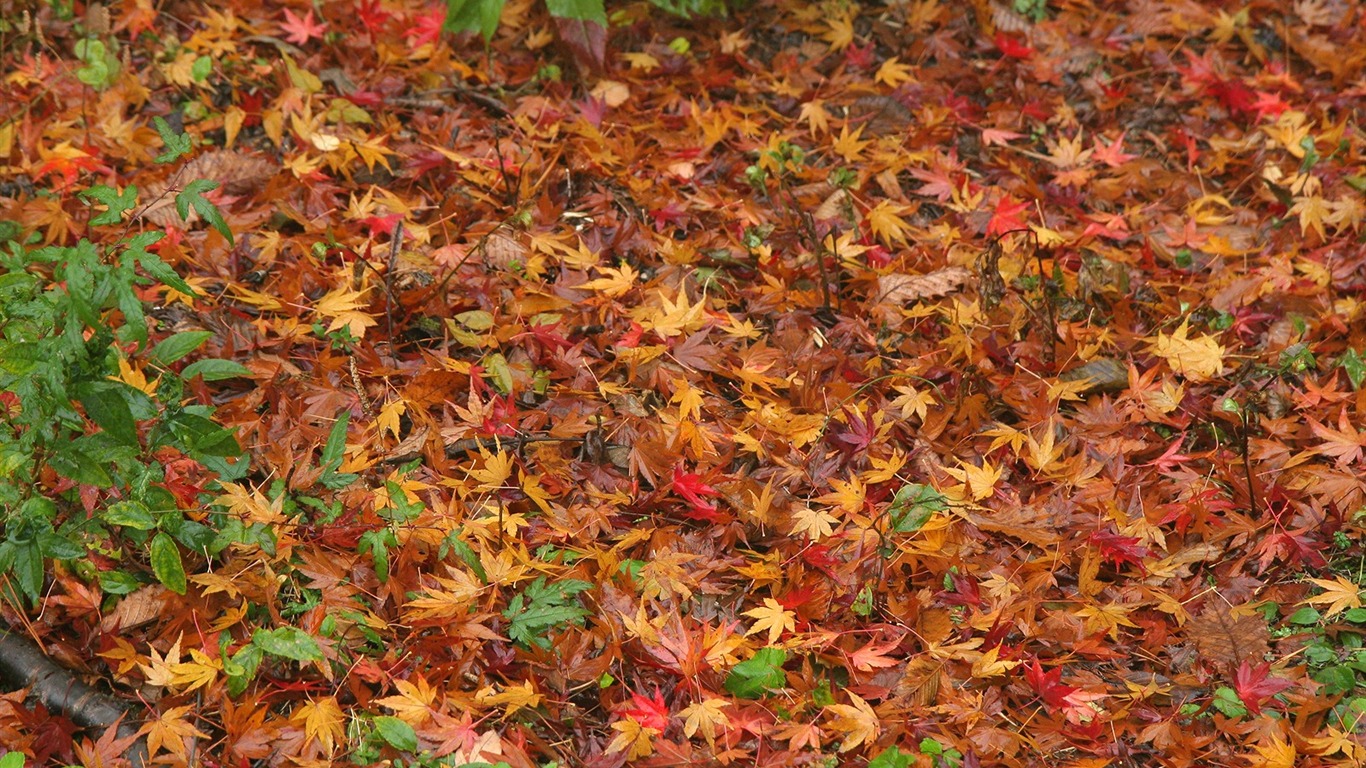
(1034, 10)
(97, 438)
(542, 607)
(758, 674)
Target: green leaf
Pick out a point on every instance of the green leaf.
(1305, 616)
(289, 643)
(892, 757)
(173, 348)
(118, 583)
(335, 448)
(166, 564)
(118, 203)
(377, 544)
(473, 16)
(152, 263)
(913, 506)
(497, 371)
(129, 514)
(396, 733)
(758, 674)
(108, 408)
(12, 760)
(1355, 366)
(213, 369)
(193, 196)
(73, 463)
(542, 607)
(177, 144)
(579, 10)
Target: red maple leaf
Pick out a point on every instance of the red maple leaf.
(1048, 685)
(1012, 46)
(690, 486)
(1119, 550)
(1007, 216)
(300, 30)
(1255, 685)
(649, 711)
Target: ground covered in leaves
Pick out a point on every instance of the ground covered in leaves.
(929, 383)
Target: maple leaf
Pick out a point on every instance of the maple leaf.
(649, 711)
(1048, 685)
(815, 524)
(771, 616)
(300, 30)
(323, 722)
(413, 704)
(170, 732)
(1007, 216)
(1344, 444)
(1255, 685)
(859, 723)
(691, 487)
(989, 664)
(632, 738)
(1119, 550)
(705, 717)
(1112, 154)
(873, 656)
(1199, 359)
(1339, 594)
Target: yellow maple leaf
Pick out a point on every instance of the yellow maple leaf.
(980, 481)
(893, 73)
(886, 223)
(850, 146)
(858, 723)
(323, 723)
(816, 524)
(1339, 594)
(705, 717)
(1274, 752)
(169, 733)
(497, 468)
(389, 415)
(990, 665)
(511, 698)
(201, 670)
(413, 704)
(617, 283)
(1199, 359)
(632, 738)
(815, 116)
(673, 318)
(774, 618)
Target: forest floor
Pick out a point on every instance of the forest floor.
(921, 383)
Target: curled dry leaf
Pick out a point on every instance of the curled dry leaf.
(899, 288)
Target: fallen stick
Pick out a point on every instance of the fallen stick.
(24, 665)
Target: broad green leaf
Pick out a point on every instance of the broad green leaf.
(118, 583)
(289, 643)
(215, 370)
(109, 409)
(173, 348)
(73, 463)
(166, 563)
(129, 514)
(759, 674)
(892, 757)
(396, 733)
(473, 16)
(579, 10)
